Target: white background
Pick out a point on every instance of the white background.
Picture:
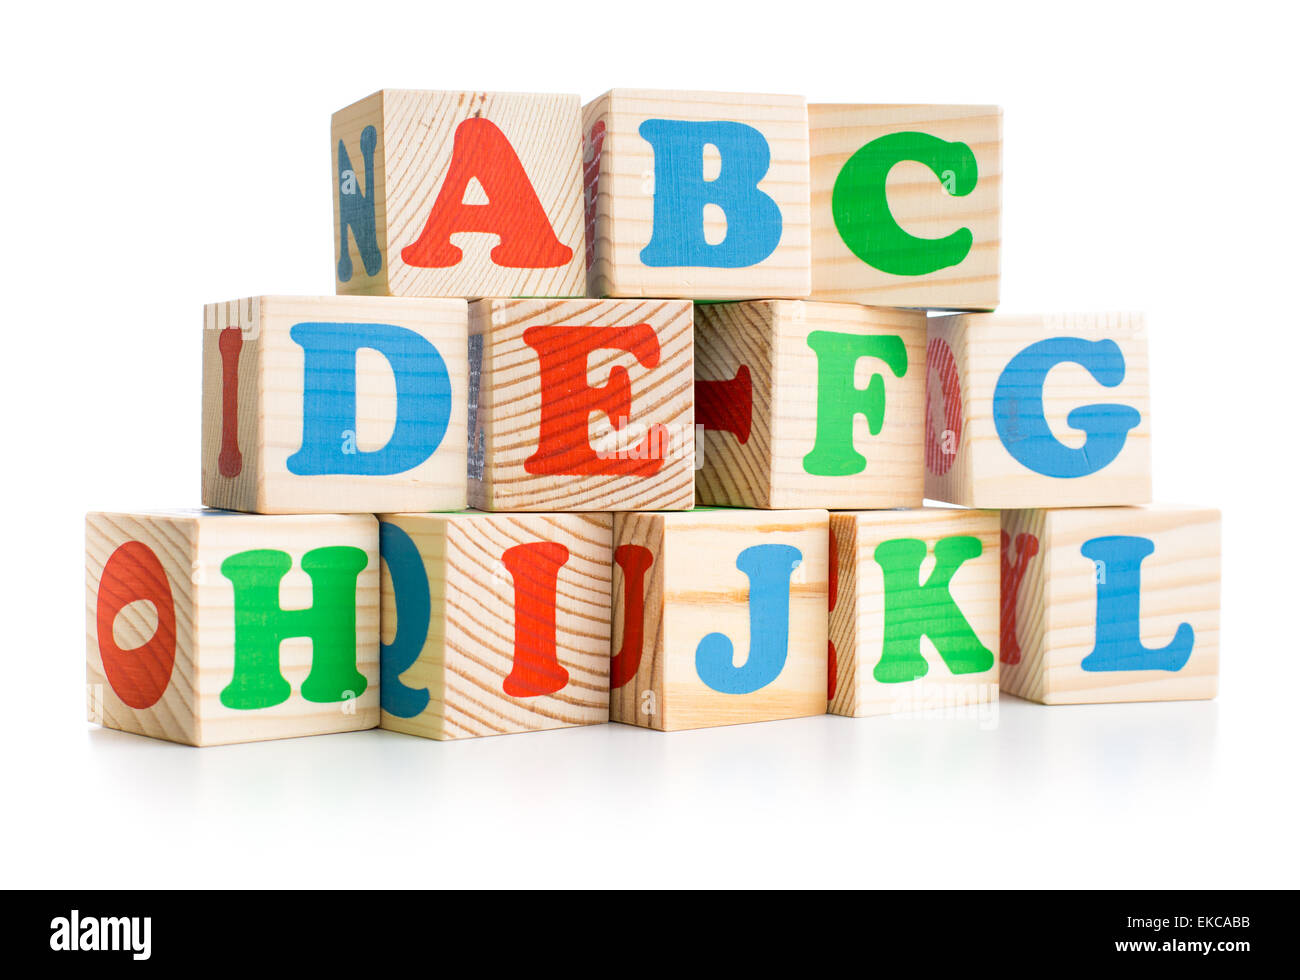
(156, 158)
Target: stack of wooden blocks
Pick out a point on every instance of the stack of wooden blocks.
(673, 349)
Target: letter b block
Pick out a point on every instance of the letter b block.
(882, 606)
(208, 627)
(1037, 411)
(335, 404)
(494, 623)
(1110, 604)
(719, 617)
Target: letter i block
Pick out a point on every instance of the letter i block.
(906, 204)
(696, 194)
(803, 404)
(581, 405)
(209, 627)
(719, 617)
(1110, 604)
(494, 623)
(458, 194)
(335, 404)
(1038, 411)
(883, 606)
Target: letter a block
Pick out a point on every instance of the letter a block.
(803, 404)
(1038, 411)
(882, 606)
(494, 623)
(581, 405)
(1110, 604)
(209, 627)
(906, 204)
(458, 194)
(719, 617)
(696, 194)
(335, 404)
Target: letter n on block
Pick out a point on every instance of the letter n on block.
(581, 405)
(906, 205)
(696, 194)
(458, 194)
(494, 623)
(1110, 604)
(335, 404)
(719, 617)
(802, 404)
(1034, 411)
(209, 627)
(914, 610)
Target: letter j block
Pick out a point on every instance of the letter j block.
(208, 627)
(335, 404)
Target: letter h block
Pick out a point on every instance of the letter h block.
(906, 205)
(809, 404)
(458, 194)
(719, 617)
(882, 605)
(335, 404)
(494, 623)
(702, 195)
(1110, 604)
(581, 405)
(1037, 411)
(209, 627)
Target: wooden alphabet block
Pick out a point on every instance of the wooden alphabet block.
(719, 617)
(809, 404)
(335, 404)
(458, 194)
(906, 205)
(882, 606)
(581, 405)
(1110, 604)
(494, 623)
(702, 195)
(209, 627)
(1038, 411)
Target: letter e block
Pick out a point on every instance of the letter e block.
(809, 404)
(1110, 604)
(335, 404)
(209, 627)
(494, 623)
(719, 617)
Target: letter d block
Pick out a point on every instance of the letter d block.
(494, 623)
(809, 404)
(1110, 604)
(702, 195)
(581, 405)
(882, 608)
(458, 194)
(719, 617)
(1037, 411)
(335, 404)
(208, 627)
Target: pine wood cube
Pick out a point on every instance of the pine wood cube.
(719, 617)
(1049, 410)
(1110, 604)
(581, 405)
(906, 205)
(883, 606)
(335, 404)
(209, 627)
(809, 404)
(494, 623)
(458, 194)
(702, 195)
